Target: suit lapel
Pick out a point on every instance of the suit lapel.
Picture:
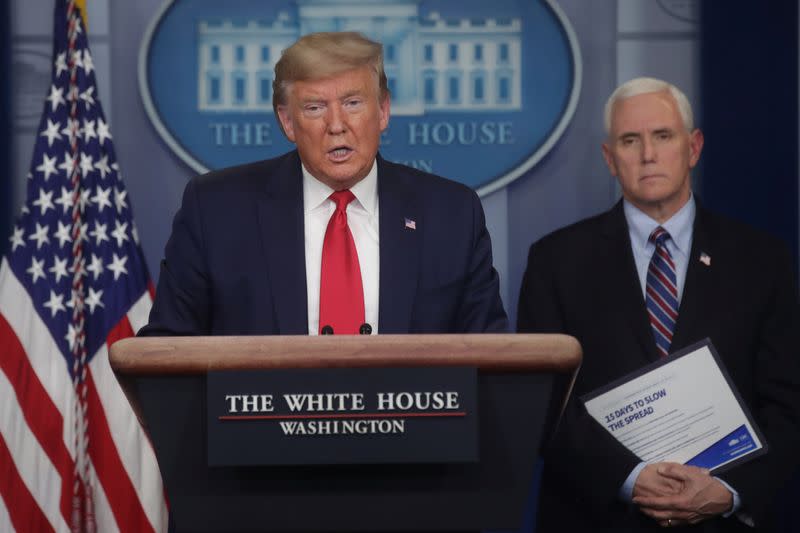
(399, 249)
(621, 275)
(282, 228)
(698, 290)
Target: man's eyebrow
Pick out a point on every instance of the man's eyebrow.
(351, 93)
(312, 98)
(628, 135)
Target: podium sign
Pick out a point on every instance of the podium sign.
(342, 416)
(522, 383)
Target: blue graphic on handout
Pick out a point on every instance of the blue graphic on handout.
(733, 445)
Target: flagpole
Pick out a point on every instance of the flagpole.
(83, 515)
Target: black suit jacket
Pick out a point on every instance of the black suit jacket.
(582, 280)
(235, 262)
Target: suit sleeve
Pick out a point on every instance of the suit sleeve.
(776, 370)
(481, 309)
(590, 466)
(182, 302)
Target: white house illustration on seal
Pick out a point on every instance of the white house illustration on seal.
(432, 63)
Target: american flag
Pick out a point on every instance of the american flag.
(72, 454)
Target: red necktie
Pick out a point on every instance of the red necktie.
(341, 295)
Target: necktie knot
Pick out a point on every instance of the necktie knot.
(342, 198)
(659, 237)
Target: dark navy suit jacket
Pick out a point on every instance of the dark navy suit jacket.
(582, 280)
(235, 262)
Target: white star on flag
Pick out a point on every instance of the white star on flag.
(117, 265)
(65, 200)
(95, 267)
(55, 304)
(99, 233)
(93, 300)
(59, 268)
(62, 234)
(16, 238)
(51, 132)
(77, 58)
(87, 97)
(40, 235)
(88, 64)
(102, 198)
(68, 164)
(70, 336)
(120, 232)
(119, 199)
(72, 131)
(47, 167)
(36, 270)
(102, 167)
(103, 132)
(56, 97)
(88, 130)
(45, 201)
(83, 201)
(86, 164)
(61, 65)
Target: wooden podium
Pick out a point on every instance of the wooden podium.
(523, 383)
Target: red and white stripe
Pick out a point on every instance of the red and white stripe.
(37, 431)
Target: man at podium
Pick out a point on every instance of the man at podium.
(329, 238)
(653, 275)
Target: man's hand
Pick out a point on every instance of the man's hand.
(700, 497)
(651, 483)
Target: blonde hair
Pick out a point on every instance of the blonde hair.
(322, 55)
(639, 86)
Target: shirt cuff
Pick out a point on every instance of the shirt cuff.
(626, 491)
(737, 501)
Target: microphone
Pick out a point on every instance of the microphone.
(326, 330)
(365, 329)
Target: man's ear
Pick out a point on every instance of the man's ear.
(286, 122)
(385, 106)
(696, 141)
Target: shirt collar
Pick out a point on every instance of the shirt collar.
(366, 191)
(679, 225)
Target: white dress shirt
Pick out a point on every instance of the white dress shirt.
(680, 227)
(362, 218)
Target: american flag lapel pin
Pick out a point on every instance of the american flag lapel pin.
(410, 224)
(705, 259)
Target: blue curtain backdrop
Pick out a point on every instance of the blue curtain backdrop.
(750, 94)
(6, 179)
(749, 59)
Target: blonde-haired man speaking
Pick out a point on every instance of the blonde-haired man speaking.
(329, 238)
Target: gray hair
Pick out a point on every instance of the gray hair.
(321, 55)
(639, 86)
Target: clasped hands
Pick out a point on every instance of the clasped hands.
(675, 495)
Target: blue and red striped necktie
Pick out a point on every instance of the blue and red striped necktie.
(662, 292)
